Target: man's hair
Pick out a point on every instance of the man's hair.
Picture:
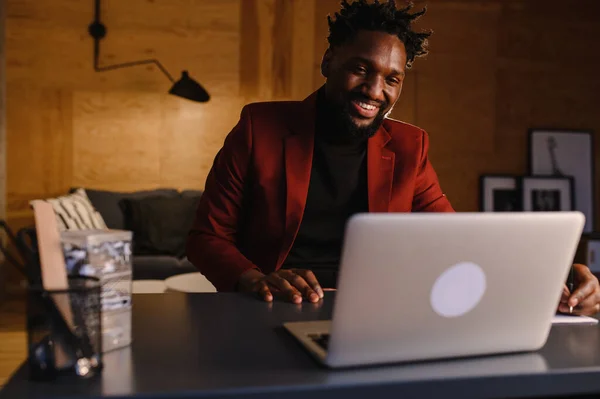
(382, 17)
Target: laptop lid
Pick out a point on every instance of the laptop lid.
(423, 286)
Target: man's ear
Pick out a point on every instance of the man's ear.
(326, 63)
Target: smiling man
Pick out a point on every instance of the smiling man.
(290, 174)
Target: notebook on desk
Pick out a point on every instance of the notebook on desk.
(431, 286)
(560, 319)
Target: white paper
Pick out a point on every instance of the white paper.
(568, 319)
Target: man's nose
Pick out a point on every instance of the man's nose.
(373, 88)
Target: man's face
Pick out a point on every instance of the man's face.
(364, 80)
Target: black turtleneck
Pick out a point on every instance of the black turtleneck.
(337, 190)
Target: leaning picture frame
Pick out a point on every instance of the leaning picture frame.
(499, 193)
(556, 152)
(546, 193)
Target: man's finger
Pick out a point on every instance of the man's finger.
(578, 310)
(298, 281)
(585, 289)
(287, 290)
(310, 278)
(564, 298)
(263, 291)
(564, 308)
(589, 305)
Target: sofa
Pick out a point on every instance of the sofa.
(159, 220)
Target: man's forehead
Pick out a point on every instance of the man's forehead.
(372, 45)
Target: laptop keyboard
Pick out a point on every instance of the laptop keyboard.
(320, 339)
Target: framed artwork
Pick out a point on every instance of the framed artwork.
(499, 193)
(566, 153)
(547, 194)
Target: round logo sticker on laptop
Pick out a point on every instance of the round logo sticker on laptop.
(458, 289)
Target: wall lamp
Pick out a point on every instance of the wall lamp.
(185, 87)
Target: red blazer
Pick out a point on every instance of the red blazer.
(256, 190)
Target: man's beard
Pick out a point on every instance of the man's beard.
(341, 118)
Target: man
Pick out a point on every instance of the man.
(290, 174)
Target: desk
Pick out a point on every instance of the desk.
(229, 345)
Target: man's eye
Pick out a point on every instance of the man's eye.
(394, 81)
(360, 70)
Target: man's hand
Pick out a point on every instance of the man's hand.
(585, 298)
(289, 284)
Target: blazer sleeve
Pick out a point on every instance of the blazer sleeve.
(428, 196)
(211, 242)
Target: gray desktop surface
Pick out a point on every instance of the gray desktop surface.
(231, 345)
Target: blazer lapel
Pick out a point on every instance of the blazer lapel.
(380, 171)
(298, 151)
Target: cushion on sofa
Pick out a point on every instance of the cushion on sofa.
(191, 193)
(75, 211)
(159, 224)
(107, 203)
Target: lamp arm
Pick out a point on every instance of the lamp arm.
(133, 63)
(97, 30)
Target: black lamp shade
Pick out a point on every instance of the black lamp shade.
(187, 87)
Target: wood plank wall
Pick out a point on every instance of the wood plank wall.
(496, 68)
(2, 110)
(2, 137)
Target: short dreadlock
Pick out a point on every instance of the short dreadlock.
(378, 16)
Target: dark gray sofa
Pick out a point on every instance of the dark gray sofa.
(154, 266)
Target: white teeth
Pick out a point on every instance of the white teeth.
(366, 106)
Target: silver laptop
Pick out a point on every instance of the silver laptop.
(434, 285)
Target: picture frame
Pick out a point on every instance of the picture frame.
(547, 193)
(556, 152)
(499, 193)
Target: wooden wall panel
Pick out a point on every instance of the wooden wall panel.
(456, 105)
(283, 31)
(2, 137)
(2, 109)
(456, 93)
(172, 142)
(39, 141)
(276, 49)
(249, 49)
(460, 28)
(550, 31)
(304, 63)
(264, 48)
(323, 8)
(540, 99)
(123, 154)
(190, 140)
